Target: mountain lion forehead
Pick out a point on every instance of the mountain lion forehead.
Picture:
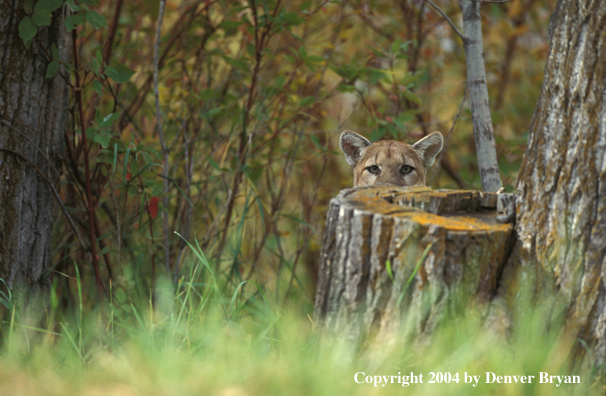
(389, 149)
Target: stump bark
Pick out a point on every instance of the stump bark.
(404, 256)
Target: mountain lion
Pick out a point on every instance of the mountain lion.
(389, 163)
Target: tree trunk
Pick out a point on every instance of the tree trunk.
(560, 257)
(483, 131)
(386, 248)
(33, 116)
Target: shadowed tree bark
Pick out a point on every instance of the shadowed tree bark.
(33, 116)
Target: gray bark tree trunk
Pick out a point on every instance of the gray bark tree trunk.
(483, 131)
(560, 258)
(33, 117)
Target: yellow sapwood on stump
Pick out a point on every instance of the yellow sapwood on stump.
(396, 255)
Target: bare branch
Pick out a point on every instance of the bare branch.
(457, 31)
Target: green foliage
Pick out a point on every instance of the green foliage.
(119, 73)
(27, 29)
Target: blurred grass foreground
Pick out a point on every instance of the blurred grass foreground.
(252, 97)
(207, 338)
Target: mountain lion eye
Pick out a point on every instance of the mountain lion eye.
(406, 169)
(373, 169)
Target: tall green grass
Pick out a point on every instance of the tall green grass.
(205, 337)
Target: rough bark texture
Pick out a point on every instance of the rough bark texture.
(483, 131)
(33, 115)
(370, 227)
(560, 258)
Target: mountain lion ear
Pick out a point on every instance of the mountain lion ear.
(429, 147)
(353, 145)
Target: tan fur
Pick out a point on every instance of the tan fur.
(390, 157)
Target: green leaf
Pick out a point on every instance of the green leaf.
(307, 101)
(119, 74)
(72, 21)
(348, 72)
(27, 29)
(215, 165)
(316, 141)
(395, 45)
(407, 116)
(72, 6)
(410, 78)
(253, 173)
(412, 97)
(109, 120)
(120, 296)
(52, 69)
(55, 52)
(105, 250)
(88, 2)
(96, 20)
(42, 17)
(103, 139)
(375, 75)
(343, 87)
(291, 18)
(98, 87)
(28, 6)
(49, 5)
(378, 133)
(315, 59)
(230, 27)
(250, 50)
(207, 94)
(238, 64)
(95, 66)
(305, 5)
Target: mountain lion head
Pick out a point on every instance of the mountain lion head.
(389, 163)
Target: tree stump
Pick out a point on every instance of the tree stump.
(396, 256)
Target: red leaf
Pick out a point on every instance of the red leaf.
(128, 176)
(153, 207)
